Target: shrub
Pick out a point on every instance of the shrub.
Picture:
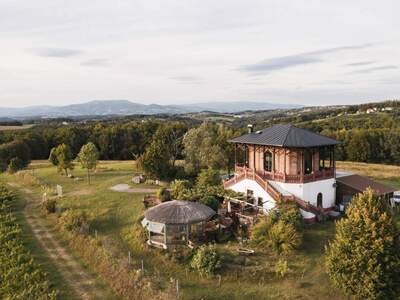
(290, 214)
(180, 189)
(283, 238)
(164, 194)
(208, 177)
(281, 268)
(74, 220)
(259, 232)
(207, 260)
(15, 165)
(210, 201)
(364, 257)
(49, 206)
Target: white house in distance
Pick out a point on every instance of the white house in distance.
(286, 162)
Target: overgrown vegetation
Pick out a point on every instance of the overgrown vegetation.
(280, 231)
(20, 276)
(364, 257)
(207, 260)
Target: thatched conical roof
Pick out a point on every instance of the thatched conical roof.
(179, 212)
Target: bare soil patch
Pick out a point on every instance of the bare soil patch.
(125, 188)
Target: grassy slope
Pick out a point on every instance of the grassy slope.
(115, 213)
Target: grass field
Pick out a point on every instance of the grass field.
(12, 127)
(116, 215)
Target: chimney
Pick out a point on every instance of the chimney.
(250, 128)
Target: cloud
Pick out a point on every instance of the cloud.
(374, 69)
(361, 63)
(96, 62)
(284, 62)
(57, 52)
(187, 79)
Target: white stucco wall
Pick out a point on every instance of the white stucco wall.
(247, 184)
(306, 191)
(309, 191)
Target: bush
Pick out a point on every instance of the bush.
(164, 194)
(180, 189)
(290, 214)
(259, 232)
(208, 177)
(279, 236)
(15, 165)
(211, 202)
(74, 220)
(207, 260)
(49, 206)
(283, 238)
(281, 268)
(364, 257)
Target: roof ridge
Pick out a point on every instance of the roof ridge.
(287, 134)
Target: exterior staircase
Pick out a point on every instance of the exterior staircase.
(277, 193)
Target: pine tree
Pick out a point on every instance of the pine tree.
(364, 257)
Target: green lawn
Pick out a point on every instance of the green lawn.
(115, 219)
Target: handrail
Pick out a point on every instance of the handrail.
(271, 190)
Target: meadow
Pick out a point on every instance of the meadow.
(115, 220)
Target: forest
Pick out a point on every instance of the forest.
(365, 137)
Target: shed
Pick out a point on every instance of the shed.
(350, 185)
(176, 222)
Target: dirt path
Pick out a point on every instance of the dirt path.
(77, 278)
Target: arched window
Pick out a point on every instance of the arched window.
(268, 161)
(319, 200)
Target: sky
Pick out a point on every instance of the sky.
(61, 52)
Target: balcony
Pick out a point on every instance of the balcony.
(281, 177)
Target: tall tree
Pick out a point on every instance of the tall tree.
(364, 257)
(88, 157)
(155, 161)
(203, 150)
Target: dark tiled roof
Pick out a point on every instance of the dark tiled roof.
(361, 183)
(285, 136)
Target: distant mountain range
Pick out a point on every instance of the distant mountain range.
(125, 107)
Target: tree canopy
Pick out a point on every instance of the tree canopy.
(364, 257)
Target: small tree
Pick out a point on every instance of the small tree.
(207, 260)
(364, 257)
(61, 157)
(53, 156)
(88, 157)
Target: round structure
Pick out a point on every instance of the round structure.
(176, 222)
(179, 212)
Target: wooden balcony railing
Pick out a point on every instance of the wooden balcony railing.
(281, 177)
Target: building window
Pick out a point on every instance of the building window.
(325, 158)
(319, 200)
(308, 162)
(268, 161)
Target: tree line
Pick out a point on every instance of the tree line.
(159, 144)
